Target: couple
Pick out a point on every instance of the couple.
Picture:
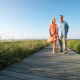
(58, 30)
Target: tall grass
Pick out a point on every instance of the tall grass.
(11, 52)
(74, 44)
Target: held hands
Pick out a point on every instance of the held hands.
(51, 35)
(57, 35)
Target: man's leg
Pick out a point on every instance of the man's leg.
(60, 44)
(64, 44)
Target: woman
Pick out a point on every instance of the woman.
(53, 36)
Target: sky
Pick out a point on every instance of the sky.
(30, 19)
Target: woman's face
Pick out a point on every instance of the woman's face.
(54, 20)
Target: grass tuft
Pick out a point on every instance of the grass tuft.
(74, 45)
(12, 52)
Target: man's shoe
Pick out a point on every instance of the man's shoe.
(60, 51)
(65, 52)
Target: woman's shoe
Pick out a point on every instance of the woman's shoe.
(53, 51)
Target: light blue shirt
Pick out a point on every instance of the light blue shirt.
(61, 28)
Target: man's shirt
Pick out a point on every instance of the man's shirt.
(61, 28)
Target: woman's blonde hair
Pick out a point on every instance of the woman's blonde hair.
(52, 20)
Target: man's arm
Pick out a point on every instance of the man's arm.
(67, 29)
(67, 26)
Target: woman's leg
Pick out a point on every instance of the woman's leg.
(54, 44)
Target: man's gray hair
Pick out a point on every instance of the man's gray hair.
(61, 15)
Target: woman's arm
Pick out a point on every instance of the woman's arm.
(56, 32)
(50, 30)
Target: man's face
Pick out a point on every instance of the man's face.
(61, 18)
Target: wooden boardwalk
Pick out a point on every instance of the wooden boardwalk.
(44, 65)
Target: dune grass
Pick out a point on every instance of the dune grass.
(12, 52)
(74, 45)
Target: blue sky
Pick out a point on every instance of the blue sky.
(30, 19)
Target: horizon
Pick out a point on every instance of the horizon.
(29, 39)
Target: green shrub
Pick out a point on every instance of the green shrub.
(74, 44)
(11, 52)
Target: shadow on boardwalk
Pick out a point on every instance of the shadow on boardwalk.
(44, 65)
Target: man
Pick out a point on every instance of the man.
(62, 29)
